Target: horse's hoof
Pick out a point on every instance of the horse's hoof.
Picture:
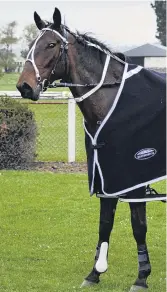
(91, 279)
(135, 288)
(87, 283)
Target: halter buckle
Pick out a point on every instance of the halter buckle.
(66, 46)
(45, 84)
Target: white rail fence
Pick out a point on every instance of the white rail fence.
(71, 115)
(44, 95)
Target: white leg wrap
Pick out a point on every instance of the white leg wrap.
(101, 264)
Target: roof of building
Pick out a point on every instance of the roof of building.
(147, 50)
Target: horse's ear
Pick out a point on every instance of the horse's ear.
(38, 21)
(57, 18)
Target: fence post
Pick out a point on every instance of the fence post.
(71, 130)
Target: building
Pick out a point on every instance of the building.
(19, 61)
(149, 56)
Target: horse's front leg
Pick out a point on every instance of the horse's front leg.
(139, 226)
(107, 213)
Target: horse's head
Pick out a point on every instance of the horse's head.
(43, 58)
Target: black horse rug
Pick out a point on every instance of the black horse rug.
(128, 151)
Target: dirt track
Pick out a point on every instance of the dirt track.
(60, 167)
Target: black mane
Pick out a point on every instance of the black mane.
(85, 37)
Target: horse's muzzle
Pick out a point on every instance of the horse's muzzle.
(28, 92)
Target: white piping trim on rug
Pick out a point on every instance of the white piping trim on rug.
(100, 173)
(94, 164)
(110, 111)
(114, 103)
(88, 133)
(133, 72)
(123, 192)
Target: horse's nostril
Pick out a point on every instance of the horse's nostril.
(26, 87)
(25, 90)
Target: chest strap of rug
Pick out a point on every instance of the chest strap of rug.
(98, 146)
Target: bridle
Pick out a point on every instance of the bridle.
(30, 57)
(63, 52)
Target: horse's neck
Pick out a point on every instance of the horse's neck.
(86, 67)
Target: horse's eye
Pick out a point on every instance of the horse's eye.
(51, 45)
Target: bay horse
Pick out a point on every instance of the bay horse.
(81, 61)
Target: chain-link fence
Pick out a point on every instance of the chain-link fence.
(52, 123)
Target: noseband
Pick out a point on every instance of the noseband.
(63, 52)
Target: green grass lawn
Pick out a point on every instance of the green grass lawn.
(49, 230)
(8, 81)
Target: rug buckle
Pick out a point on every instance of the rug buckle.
(98, 146)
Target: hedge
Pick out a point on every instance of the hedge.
(18, 133)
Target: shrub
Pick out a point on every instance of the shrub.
(17, 134)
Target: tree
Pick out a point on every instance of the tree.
(8, 37)
(29, 34)
(160, 11)
(7, 60)
(1, 73)
(7, 40)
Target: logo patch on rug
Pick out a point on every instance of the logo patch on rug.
(145, 153)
